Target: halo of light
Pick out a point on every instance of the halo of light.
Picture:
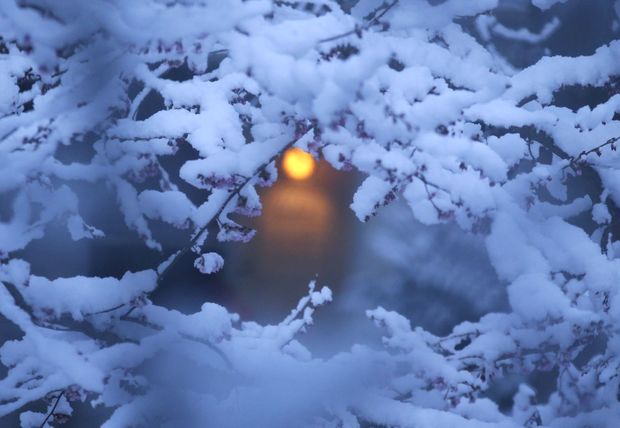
(297, 164)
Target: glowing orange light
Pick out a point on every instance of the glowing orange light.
(298, 164)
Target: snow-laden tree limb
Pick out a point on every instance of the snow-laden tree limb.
(399, 91)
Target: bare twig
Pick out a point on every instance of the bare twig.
(574, 160)
(384, 8)
(49, 415)
(104, 311)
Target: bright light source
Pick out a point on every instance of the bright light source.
(298, 164)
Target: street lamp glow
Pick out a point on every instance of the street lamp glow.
(297, 164)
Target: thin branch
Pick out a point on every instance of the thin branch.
(430, 199)
(574, 160)
(137, 101)
(430, 195)
(53, 409)
(104, 311)
(234, 193)
(468, 334)
(358, 30)
(529, 149)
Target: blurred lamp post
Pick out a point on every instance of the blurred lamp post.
(304, 230)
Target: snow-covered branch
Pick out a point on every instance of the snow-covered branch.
(401, 91)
